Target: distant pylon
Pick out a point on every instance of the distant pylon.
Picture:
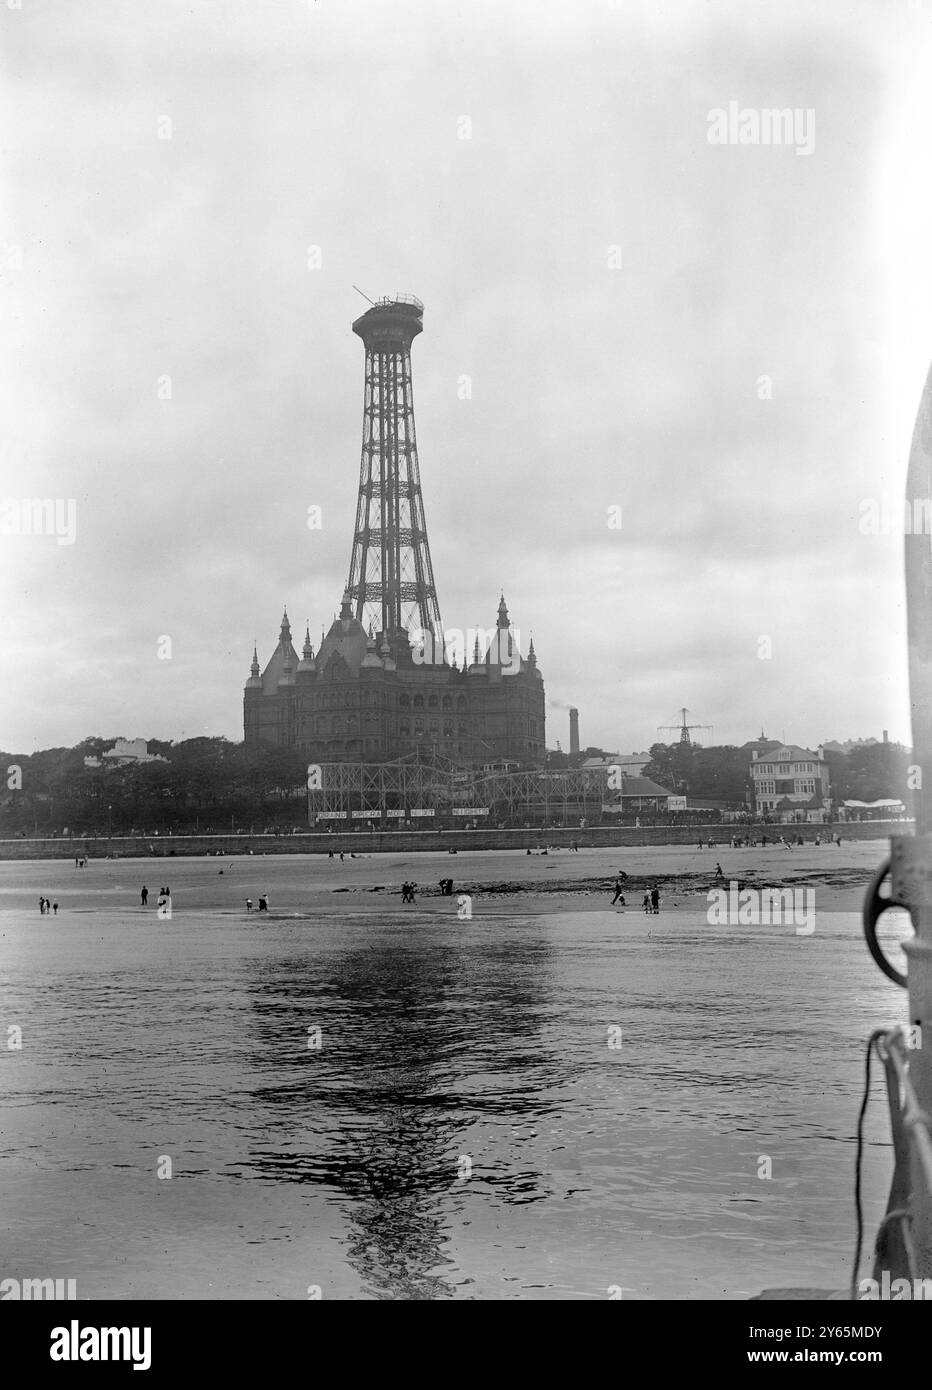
(391, 578)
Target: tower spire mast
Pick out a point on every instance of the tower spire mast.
(391, 578)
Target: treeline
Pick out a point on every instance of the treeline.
(869, 772)
(204, 784)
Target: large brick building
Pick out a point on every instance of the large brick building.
(368, 698)
(379, 692)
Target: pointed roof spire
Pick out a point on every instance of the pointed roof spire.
(308, 652)
(475, 653)
(254, 668)
(286, 628)
(531, 654)
(503, 620)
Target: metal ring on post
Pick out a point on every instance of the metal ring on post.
(874, 908)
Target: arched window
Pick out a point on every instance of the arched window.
(419, 702)
(461, 702)
(447, 702)
(432, 702)
(404, 702)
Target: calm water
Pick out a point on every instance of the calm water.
(446, 1048)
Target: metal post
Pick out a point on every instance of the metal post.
(911, 857)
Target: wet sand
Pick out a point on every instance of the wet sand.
(371, 883)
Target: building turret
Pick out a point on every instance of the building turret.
(307, 662)
(254, 682)
(503, 620)
(371, 660)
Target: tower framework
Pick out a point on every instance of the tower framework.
(391, 578)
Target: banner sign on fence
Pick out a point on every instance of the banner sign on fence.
(331, 815)
(422, 812)
(470, 810)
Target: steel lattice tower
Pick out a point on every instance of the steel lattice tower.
(390, 574)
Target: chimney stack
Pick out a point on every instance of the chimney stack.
(574, 731)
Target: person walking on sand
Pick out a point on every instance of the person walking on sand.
(55, 908)
(719, 871)
(646, 902)
(619, 891)
(655, 899)
(144, 895)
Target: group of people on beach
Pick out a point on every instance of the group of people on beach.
(45, 906)
(263, 903)
(408, 891)
(650, 901)
(746, 842)
(164, 898)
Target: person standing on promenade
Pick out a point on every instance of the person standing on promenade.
(655, 899)
(144, 895)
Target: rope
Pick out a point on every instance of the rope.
(877, 1034)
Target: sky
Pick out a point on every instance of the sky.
(662, 386)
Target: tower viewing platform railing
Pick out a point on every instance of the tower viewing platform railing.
(391, 301)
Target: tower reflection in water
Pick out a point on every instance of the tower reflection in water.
(422, 1037)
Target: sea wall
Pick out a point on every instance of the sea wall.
(409, 841)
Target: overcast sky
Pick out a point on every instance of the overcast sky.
(488, 158)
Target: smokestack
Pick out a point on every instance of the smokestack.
(885, 738)
(574, 731)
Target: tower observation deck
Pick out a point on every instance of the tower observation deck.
(391, 578)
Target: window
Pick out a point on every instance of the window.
(419, 702)
(404, 702)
